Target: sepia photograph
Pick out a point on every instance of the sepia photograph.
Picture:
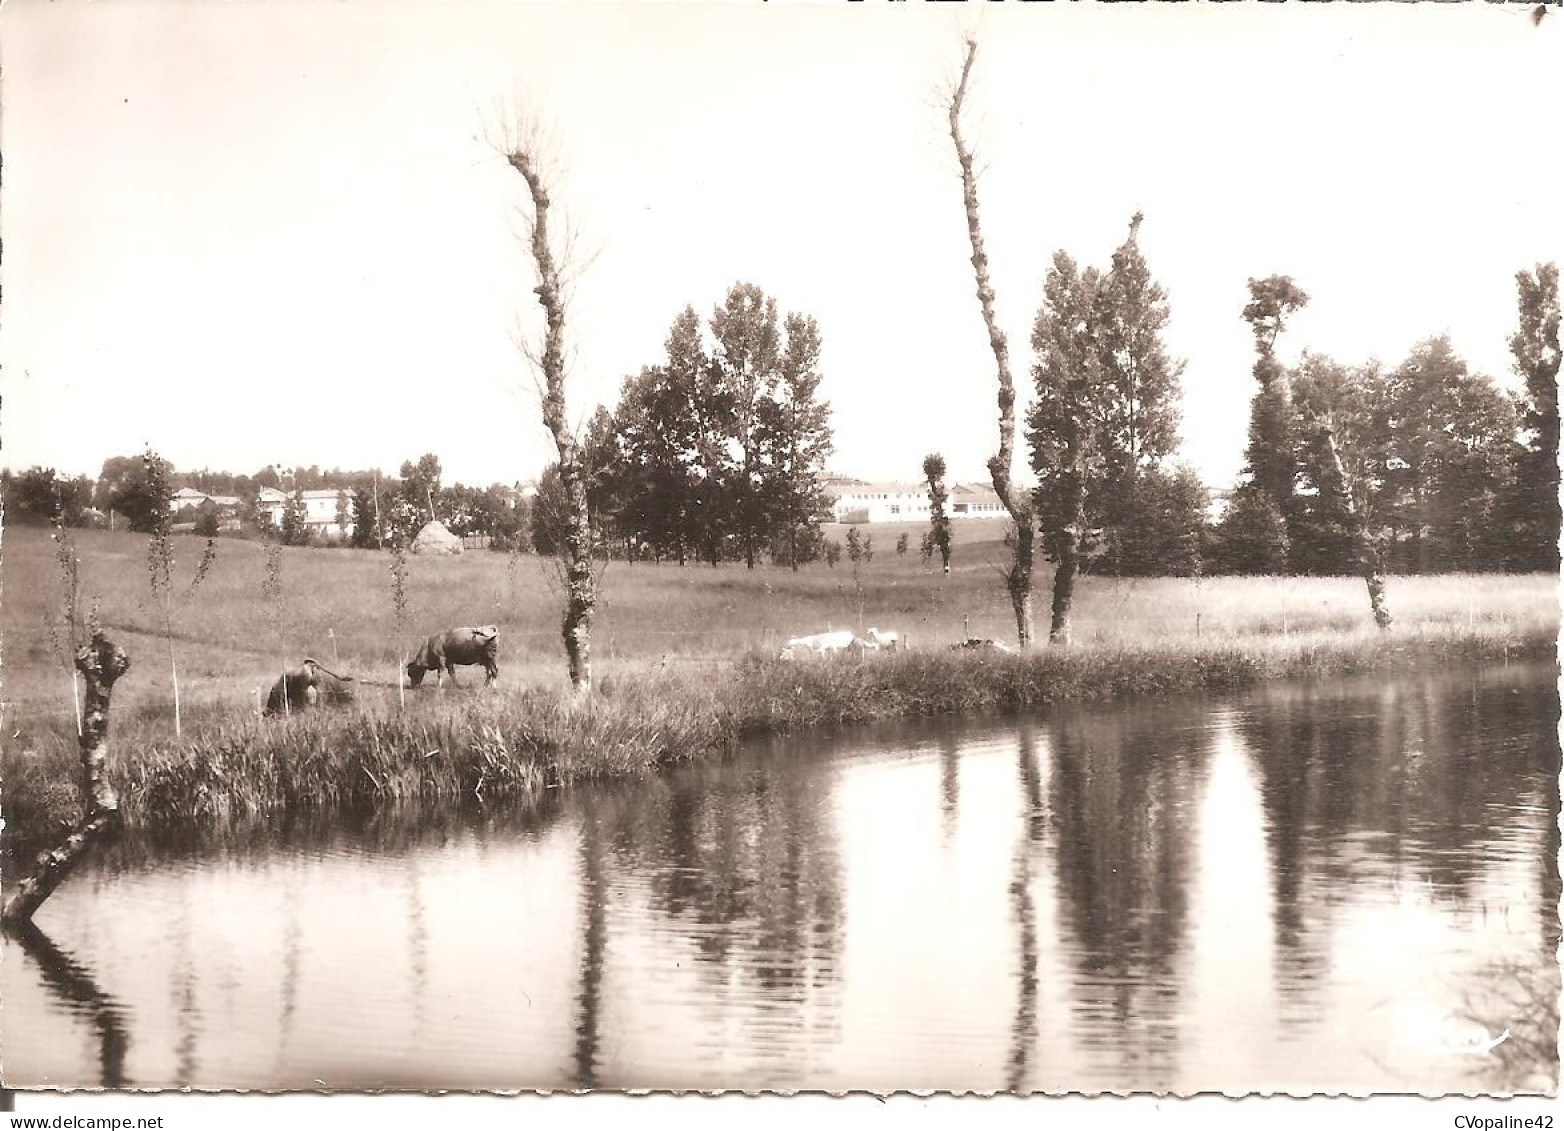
(775, 548)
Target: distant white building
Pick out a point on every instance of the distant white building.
(320, 509)
(190, 497)
(969, 500)
(853, 501)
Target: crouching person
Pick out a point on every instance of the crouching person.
(302, 688)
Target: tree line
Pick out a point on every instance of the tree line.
(716, 451)
(1426, 467)
(382, 509)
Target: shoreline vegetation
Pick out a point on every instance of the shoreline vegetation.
(491, 747)
(652, 707)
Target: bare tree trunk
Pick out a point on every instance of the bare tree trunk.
(580, 578)
(1069, 563)
(1064, 593)
(101, 663)
(1370, 560)
(1019, 579)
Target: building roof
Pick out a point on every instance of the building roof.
(974, 493)
(272, 495)
(858, 487)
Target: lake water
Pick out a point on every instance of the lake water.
(1343, 886)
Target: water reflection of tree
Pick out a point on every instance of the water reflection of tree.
(593, 902)
(1123, 794)
(1023, 1037)
(949, 782)
(1411, 775)
(74, 986)
(744, 857)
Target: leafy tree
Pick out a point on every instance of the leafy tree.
(364, 529)
(1451, 436)
(1137, 425)
(854, 545)
(901, 545)
(655, 435)
(1168, 517)
(139, 488)
(40, 496)
(606, 471)
(344, 514)
(796, 435)
(116, 472)
(1270, 465)
(720, 451)
(1344, 416)
(712, 420)
(1063, 424)
(421, 484)
(294, 531)
(510, 522)
(1535, 346)
(746, 362)
(939, 521)
(833, 553)
(550, 514)
(1252, 536)
(206, 523)
(798, 546)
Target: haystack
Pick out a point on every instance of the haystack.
(434, 538)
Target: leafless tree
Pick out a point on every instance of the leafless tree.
(1018, 579)
(526, 149)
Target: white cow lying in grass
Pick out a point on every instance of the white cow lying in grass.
(820, 644)
(826, 643)
(886, 641)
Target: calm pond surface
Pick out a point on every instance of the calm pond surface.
(1337, 886)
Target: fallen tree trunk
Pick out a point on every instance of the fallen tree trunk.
(101, 663)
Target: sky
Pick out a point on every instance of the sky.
(277, 233)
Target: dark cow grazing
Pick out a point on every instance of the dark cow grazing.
(445, 651)
(303, 688)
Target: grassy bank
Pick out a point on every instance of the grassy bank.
(336, 605)
(469, 745)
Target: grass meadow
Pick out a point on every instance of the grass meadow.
(684, 660)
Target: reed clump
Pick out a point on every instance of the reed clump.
(488, 745)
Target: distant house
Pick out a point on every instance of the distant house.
(320, 509)
(854, 501)
(228, 506)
